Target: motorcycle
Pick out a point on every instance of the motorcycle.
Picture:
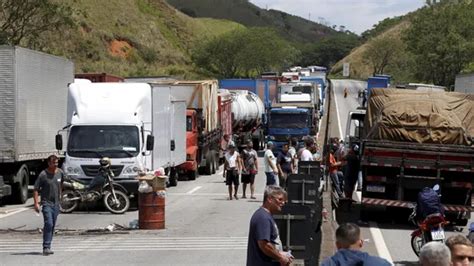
(102, 187)
(345, 92)
(430, 229)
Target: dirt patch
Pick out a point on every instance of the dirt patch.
(120, 48)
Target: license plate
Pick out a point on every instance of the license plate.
(437, 234)
(375, 188)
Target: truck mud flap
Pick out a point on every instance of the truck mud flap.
(300, 232)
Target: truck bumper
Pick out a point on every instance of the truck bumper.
(131, 185)
(187, 167)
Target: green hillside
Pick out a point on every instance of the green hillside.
(132, 38)
(431, 45)
(292, 28)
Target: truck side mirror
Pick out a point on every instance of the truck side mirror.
(59, 142)
(150, 142)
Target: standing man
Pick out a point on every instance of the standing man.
(349, 244)
(48, 185)
(264, 244)
(285, 165)
(462, 250)
(232, 167)
(306, 154)
(352, 171)
(335, 175)
(292, 151)
(249, 157)
(269, 161)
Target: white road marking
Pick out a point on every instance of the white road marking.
(194, 190)
(379, 242)
(68, 244)
(14, 212)
(337, 113)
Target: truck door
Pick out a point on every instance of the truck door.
(178, 132)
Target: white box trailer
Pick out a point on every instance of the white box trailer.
(33, 99)
(117, 120)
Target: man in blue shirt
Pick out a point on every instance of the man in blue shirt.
(264, 244)
(349, 244)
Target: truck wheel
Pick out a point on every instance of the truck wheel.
(20, 189)
(192, 175)
(173, 178)
(209, 163)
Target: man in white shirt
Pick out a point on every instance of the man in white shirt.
(306, 154)
(269, 161)
(232, 167)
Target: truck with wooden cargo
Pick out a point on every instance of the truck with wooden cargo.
(33, 104)
(415, 139)
(139, 126)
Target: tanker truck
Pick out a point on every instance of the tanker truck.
(247, 113)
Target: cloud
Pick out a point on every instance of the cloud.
(356, 15)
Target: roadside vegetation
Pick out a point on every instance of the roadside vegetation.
(430, 45)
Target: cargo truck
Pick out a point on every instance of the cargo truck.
(139, 126)
(203, 130)
(247, 113)
(266, 90)
(33, 98)
(414, 139)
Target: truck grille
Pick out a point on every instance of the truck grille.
(93, 170)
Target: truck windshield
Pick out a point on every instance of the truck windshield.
(98, 141)
(289, 120)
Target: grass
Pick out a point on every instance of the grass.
(161, 37)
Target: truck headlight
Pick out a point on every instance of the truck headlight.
(73, 170)
(131, 170)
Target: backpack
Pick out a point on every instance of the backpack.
(428, 203)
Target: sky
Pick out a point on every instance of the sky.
(356, 15)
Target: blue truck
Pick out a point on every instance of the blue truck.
(266, 89)
(286, 122)
(377, 81)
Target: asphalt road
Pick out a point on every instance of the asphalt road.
(388, 232)
(202, 228)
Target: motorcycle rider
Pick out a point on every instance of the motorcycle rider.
(345, 92)
(429, 203)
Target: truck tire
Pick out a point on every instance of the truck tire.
(192, 175)
(209, 163)
(173, 178)
(20, 188)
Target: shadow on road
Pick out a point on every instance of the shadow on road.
(27, 254)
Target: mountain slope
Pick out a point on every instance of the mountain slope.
(291, 27)
(135, 37)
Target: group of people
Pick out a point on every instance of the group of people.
(457, 251)
(344, 168)
(277, 166)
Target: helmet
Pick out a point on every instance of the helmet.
(104, 162)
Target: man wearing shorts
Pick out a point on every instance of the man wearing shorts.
(271, 170)
(249, 158)
(232, 167)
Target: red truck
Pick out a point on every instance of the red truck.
(203, 127)
(410, 140)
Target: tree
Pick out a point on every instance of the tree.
(381, 52)
(244, 53)
(441, 40)
(28, 19)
